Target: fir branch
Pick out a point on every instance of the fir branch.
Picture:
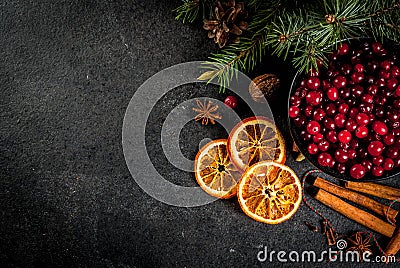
(191, 10)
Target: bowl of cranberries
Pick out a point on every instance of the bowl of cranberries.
(345, 118)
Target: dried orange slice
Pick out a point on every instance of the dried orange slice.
(256, 139)
(269, 192)
(215, 173)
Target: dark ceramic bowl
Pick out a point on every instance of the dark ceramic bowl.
(392, 48)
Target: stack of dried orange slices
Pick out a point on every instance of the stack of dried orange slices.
(250, 164)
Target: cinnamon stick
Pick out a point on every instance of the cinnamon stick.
(357, 198)
(356, 214)
(378, 190)
(394, 244)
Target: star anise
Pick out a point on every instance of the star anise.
(206, 112)
(359, 244)
(226, 21)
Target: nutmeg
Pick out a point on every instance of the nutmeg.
(262, 87)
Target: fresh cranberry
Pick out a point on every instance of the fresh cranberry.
(329, 123)
(308, 111)
(380, 127)
(312, 148)
(392, 115)
(343, 49)
(372, 89)
(323, 146)
(343, 108)
(341, 168)
(377, 171)
(318, 137)
(346, 69)
(388, 164)
(376, 47)
(351, 124)
(379, 111)
(377, 160)
(392, 152)
(384, 74)
(325, 159)
(344, 136)
(340, 120)
(395, 71)
(331, 136)
(339, 81)
(361, 132)
(294, 111)
(341, 155)
(345, 93)
(362, 119)
(314, 98)
(389, 139)
(379, 99)
(362, 153)
(313, 127)
(392, 83)
(352, 153)
(330, 109)
(386, 65)
(305, 135)
(366, 107)
(372, 66)
(397, 91)
(299, 121)
(295, 100)
(359, 68)
(313, 83)
(332, 94)
(357, 171)
(375, 148)
(319, 114)
(353, 112)
(366, 164)
(367, 98)
(357, 91)
(326, 84)
(381, 82)
(357, 77)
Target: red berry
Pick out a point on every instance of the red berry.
(231, 102)
(361, 132)
(366, 164)
(376, 47)
(313, 83)
(325, 159)
(388, 139)
(343, 49)
(339, 81)
(343, 108)
(388, 164)
(352, 153)
(380, 128)
(351, 124)
(341, 155)
(357, 77)
(323, 146)
(319, 114)
(314, 98)
(395, 71)
(344, 136)
(377, 171)
(318, 137)
(294, 111)
(357, 171)
(359, 68)
(367, 98)
(312, 148)
(313, 127)
(340, 120)
(331, 136)
(332, 93)
(385, 65)
(362, 119)
(392, 83)
(375, 148)
(377, 160)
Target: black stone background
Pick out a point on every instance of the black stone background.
(68, 70)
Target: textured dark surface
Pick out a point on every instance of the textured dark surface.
(68, 71)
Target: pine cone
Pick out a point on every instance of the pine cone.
(227, 21)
